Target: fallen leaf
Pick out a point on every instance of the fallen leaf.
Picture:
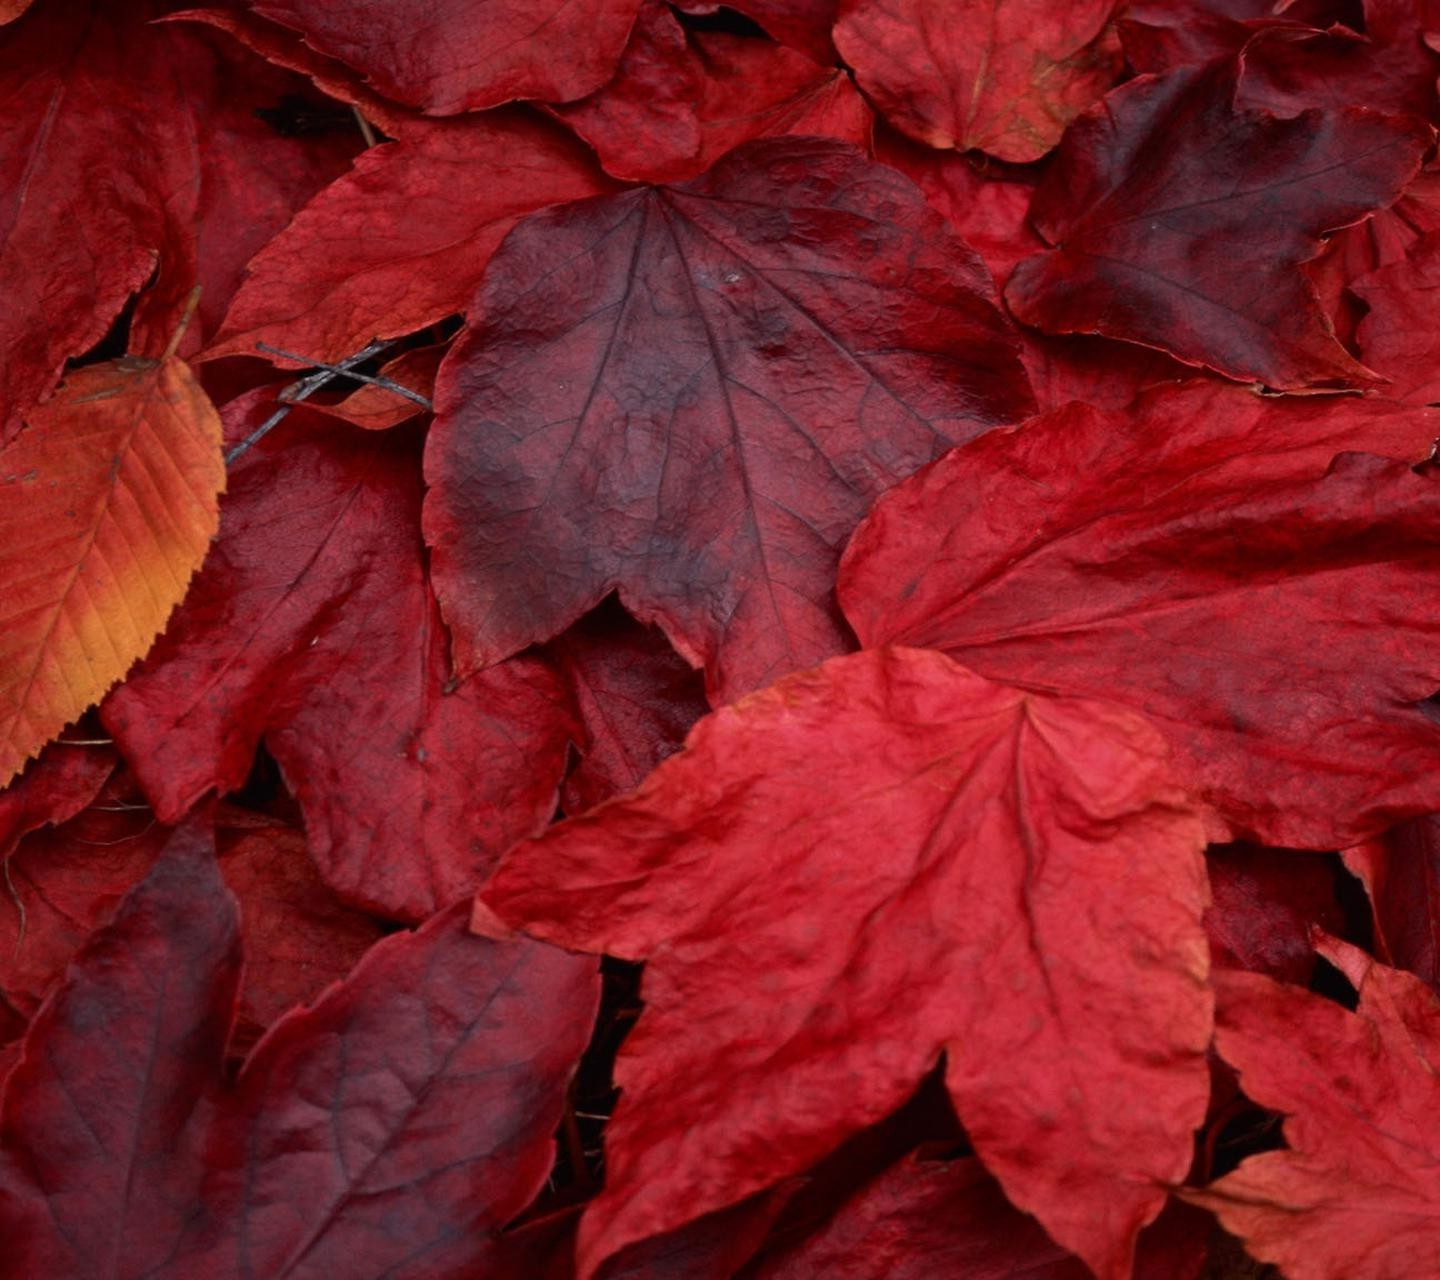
(377, 408)
(1288, 69)
(999, 77)
(1219, 560)
(1355, 1195)
(70, 880)
(108, 502)
(56, 786)
(313, 628)
(130, 151)
(449, 56)
(99, 1159)
(757, 90)
(1180, 222)
(445, 194)
(861, 868)
(636, 698)
(643, 124)
(394, 1126)
(691, 394)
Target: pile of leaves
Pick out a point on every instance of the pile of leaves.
(670, 642)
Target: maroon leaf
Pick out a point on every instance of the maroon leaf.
(404, 1119)
(923, 1218)
(56, 786)
(392, 1128)
(637, 699)
(690, 394)
(1264, 904)
(99, 1127)
(1180, 222)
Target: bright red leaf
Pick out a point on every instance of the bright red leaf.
(860, 868)
(313, 627)
(394, 1127)
(678, 105)
(691, 394)
(1180, 222)
(401, 241)
(447, 56)
(1211, 557)
(1355, 1195)
(643, 124)
(753, 89)
(1004, 78)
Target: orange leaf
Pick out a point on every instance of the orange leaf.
(108, 501)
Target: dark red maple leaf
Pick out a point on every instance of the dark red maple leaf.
(1220, 560)
(690, 394)
(312, 627)
(395, 1125)
(1180, 221)
(861, 867)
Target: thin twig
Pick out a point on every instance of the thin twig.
(86, 742)
(367, 131)
(375, 380)
(303, 390)
(19, 906)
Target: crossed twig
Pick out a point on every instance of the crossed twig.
(313, 382)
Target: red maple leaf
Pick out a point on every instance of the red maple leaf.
(856, 870)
